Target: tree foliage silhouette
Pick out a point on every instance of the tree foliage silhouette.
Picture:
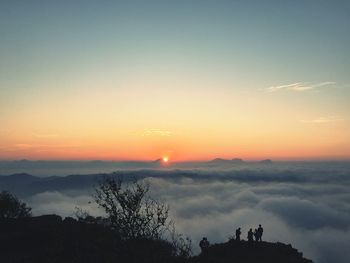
(131, 211)
(12, 208)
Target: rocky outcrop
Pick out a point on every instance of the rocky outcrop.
(50, 238)
(251, 252)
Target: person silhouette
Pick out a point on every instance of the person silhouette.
(256, 234)
(204, 244)
(238, 234)
(260, 233)
(250, 235)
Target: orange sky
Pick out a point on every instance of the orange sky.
(154, 121)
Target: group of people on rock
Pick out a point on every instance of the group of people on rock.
(257, 235)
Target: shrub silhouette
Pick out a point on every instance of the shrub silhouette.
(12, 208)
(132, 213)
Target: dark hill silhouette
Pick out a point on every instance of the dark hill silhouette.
(24, 185)
(245, 252)
(27, 164)
(50, 239)
(45, 168)
(237, 160)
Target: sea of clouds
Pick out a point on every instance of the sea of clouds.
(310, 210)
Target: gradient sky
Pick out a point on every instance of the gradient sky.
(191, 80)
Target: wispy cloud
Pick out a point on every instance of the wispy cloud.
(321, 120)
(300, 86)
(155, 132)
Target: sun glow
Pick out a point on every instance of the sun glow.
(165, 159)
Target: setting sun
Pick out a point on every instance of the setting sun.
(165, 159)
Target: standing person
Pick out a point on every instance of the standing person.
(238, 234)
(260, 233)
(256, 235)
(250, 235)
(204, 244)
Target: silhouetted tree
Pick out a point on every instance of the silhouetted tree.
(182, 245)
(132, 213)
(12, 208)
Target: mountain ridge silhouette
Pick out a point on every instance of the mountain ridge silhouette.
(49, 238)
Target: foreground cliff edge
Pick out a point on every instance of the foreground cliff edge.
(50, 238)
(245, 252)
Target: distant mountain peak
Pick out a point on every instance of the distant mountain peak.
(237, 160)
(219, 160)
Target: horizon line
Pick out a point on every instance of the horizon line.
(184, 161)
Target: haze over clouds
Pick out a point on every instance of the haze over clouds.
(309, 208)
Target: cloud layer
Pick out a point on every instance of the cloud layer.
(315, 218)
(308, 208)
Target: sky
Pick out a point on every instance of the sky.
(189, 80)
